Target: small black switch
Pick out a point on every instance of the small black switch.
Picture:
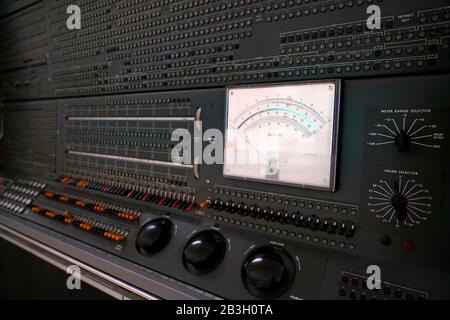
(386, 240)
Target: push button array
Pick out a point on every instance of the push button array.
(295, 202)
(20, 194)
(95, 206)
(17, 198)
(312, 222)
(354, 287)
(158, 197)
(32, 184)
(84, 223)
(11, 206)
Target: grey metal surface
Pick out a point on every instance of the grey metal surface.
(90, 116)
(115, 271)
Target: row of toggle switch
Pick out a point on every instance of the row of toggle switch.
(83, 223)
(31, 183)
(329, 225)
(96, 206)
(11, 206)
(153, 196)
(17, 198)
(24, 190)
(20, 194)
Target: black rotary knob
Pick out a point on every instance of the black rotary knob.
(154, 236)
(402, 141)
(268, 272)
(400, 203)
(204, 252)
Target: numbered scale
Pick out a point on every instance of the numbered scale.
(283, 134)
(403, 201)
(415, 135)
(405, 131)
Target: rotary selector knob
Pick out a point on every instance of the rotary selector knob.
(403, 141)
(268, 272)
(399, 203)
(154, 236)
(404, 201)
(404, 131)
(204, 252)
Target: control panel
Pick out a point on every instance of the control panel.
(246, 149)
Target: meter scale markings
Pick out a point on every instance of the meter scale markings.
(275, 111)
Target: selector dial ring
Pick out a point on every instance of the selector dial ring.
(268, 272)
(204, 252)
(154, 236)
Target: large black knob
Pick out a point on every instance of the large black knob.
(268, 272)
(400, 203)
(204, 252)
(402, 141)
(154, 236)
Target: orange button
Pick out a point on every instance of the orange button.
(64, 198)
(35, 209)
(204, 204)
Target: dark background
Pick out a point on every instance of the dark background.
(24, 276)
